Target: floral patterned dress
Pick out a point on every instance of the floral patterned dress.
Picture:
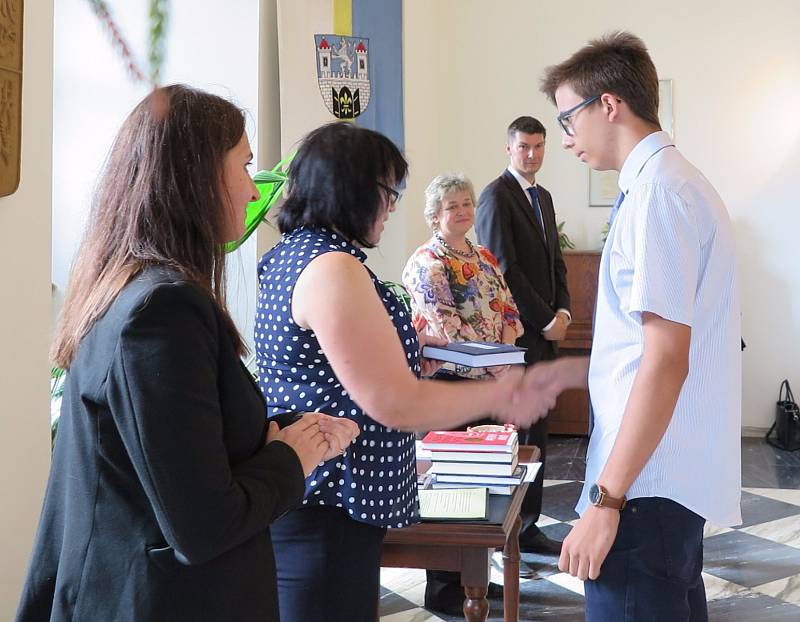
(460, 299)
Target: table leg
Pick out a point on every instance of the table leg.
(511, 574)
(475, 579)
(476, 607)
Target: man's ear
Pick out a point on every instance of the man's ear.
(612, 106)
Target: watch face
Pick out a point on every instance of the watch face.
(594, 494)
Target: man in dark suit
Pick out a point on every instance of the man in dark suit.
(516, 220)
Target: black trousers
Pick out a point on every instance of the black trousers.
(532, 503)
(328, 566)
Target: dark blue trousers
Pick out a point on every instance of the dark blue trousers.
(328, 566)
(652, 573)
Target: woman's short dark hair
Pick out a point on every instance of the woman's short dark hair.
(335, 180)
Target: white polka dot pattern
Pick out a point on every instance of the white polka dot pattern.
(375, 480)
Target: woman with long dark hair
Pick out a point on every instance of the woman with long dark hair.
(331, 337)
(164, 476)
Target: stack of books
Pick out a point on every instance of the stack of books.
(474, 459)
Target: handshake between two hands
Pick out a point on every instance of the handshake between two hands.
(529, 394)
(525, 394)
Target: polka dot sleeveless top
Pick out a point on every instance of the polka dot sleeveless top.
(375, 480)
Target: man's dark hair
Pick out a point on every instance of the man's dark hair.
(335, 180)
(616, 63)
(526, 125)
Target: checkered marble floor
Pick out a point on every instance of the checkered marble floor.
(751, 572)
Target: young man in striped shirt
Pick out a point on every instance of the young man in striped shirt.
(665, 369)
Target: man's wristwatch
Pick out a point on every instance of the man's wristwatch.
(599, 496)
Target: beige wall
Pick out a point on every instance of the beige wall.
(268, 152)
(471, 66)
(25, 325)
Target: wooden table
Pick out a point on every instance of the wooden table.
(467, 547)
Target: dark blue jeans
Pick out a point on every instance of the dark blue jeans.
(652, 573)
(328, 566)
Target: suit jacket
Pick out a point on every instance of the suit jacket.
(161, 490)
(534, 268)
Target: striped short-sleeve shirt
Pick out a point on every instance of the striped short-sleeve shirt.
(670, 251)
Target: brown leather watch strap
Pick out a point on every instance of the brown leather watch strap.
(606, 501)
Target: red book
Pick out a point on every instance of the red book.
(505, 442)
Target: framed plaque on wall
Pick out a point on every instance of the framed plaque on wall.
(10, 94)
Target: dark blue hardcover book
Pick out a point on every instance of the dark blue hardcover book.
(476, 354)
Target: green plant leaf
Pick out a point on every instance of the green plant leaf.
(402, 295)
(563, 239)
(270, 186)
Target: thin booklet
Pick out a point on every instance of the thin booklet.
(454, 504)
(476, 354)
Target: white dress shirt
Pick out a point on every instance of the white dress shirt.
(670, 251)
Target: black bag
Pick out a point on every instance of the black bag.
(787, 421)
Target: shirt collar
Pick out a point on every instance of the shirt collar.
(638, 157)
(333, 238)
(524, 183)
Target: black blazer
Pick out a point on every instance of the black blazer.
(161, 490)
(534, 269)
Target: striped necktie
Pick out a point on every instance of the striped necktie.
(537, 209)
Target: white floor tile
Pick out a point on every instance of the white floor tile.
(567, 581)
(787, 589)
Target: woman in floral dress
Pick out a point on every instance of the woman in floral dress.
(457, 288)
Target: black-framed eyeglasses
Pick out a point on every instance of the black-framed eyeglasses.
(565, 118)
(394, 195)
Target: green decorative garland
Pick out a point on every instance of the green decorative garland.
(158, 19)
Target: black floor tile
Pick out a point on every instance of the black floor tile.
(748, 560)
(752, 608)
(391, 603)
(557, 467)
(583, 445)
(770, 476)
(558, 531)
(757, 509)
(561, 447)
(756, 450)
(559, 501)
(577, 470)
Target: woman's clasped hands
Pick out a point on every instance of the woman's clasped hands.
(315, 438)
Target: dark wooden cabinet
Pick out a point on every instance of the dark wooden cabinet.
(571, 414)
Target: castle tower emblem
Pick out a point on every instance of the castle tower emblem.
(343, 74)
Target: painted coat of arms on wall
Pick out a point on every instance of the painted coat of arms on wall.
(343, 74)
